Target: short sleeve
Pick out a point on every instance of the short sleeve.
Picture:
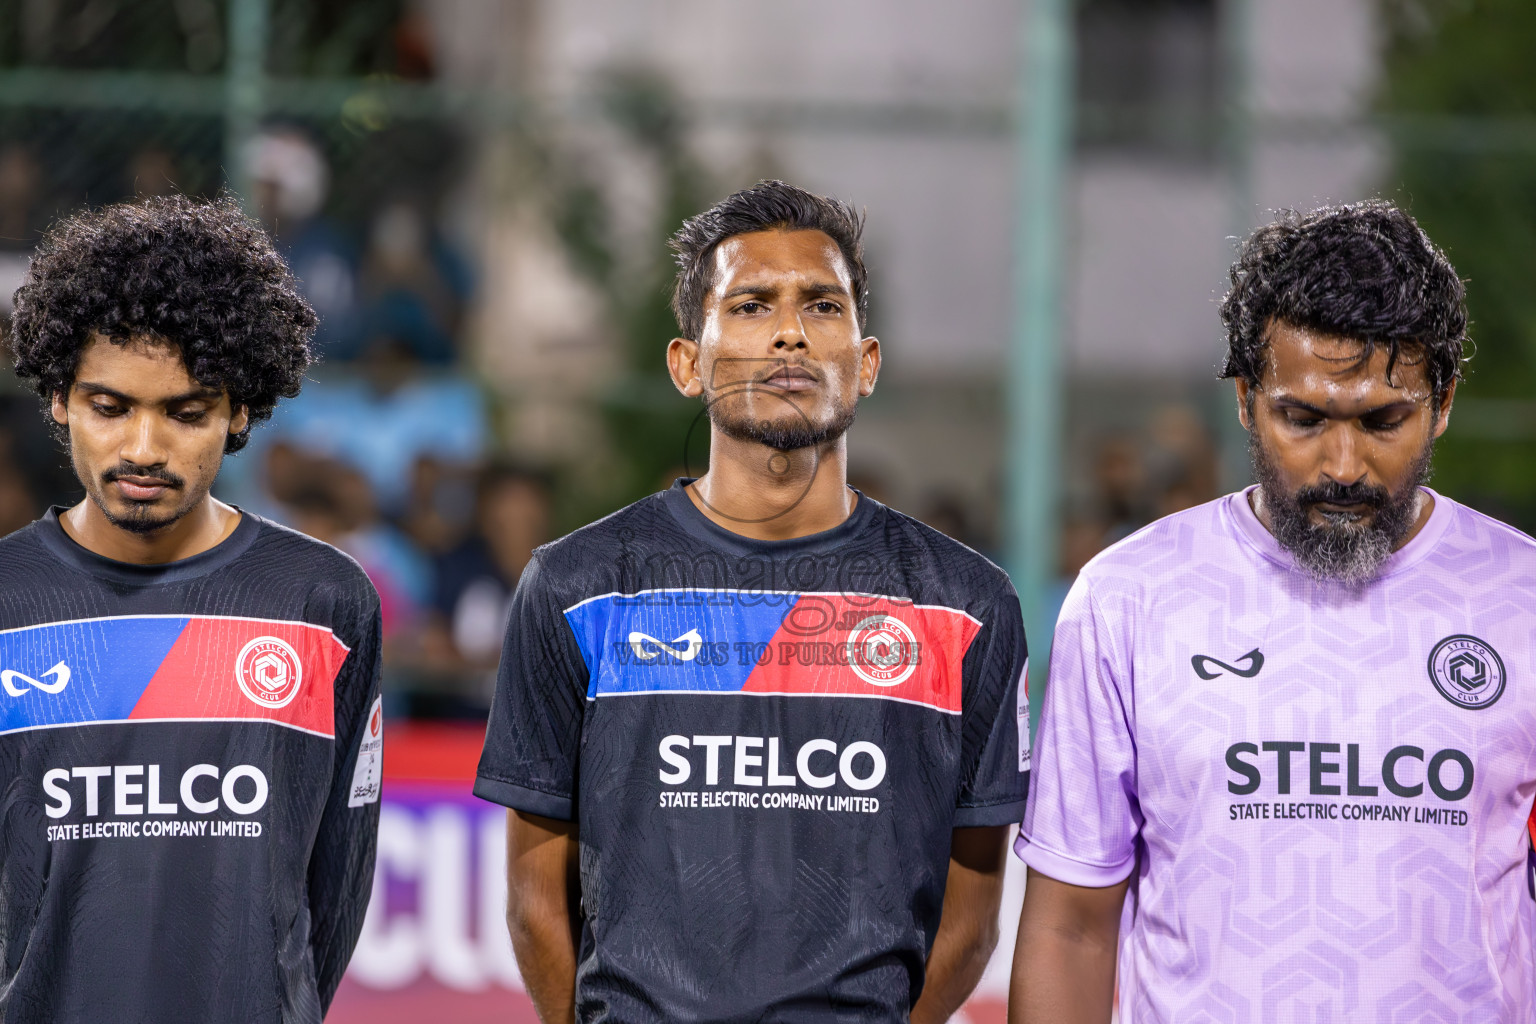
(994, 737)
(533, 738)
(1083, 817)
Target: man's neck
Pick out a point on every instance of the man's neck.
(765, 494)
(205, 527)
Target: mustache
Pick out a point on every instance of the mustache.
(1335, 493)
(123, 469)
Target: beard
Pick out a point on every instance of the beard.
(796, 433)
(1347, 548)
(141, 517)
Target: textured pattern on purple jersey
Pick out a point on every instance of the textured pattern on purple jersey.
(767, 747)
(1321, 795)
(182, 835)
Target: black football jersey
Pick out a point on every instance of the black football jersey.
(190, 758)
(766, 746)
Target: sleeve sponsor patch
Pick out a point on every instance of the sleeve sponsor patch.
(1023, 717)
(367, 779)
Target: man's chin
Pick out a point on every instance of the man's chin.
(141, 517)
(141, 523)
(789, 431)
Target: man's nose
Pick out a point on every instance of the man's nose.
(1343, 454)
(789, 333)
(142, 444)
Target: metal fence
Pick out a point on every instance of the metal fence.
(104, 99)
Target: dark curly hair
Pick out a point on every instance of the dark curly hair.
(765, 206)
(198, 275)
(1365, 271)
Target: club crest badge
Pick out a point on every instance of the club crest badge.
(883, 650)
(269, 672)
(1467, 671)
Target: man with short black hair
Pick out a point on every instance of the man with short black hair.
(761, 735)
(190, 729)
(1297, 723)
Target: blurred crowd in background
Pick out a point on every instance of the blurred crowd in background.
(392, 451)
(476, 198)
(389, 453)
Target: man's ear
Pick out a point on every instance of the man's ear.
(240, 420)
(1245, 404)
(683, 366)
(869, 366)
(1443, 417)
(60, 409)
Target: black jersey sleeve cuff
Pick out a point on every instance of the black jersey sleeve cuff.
(520, 798)
(993, 814)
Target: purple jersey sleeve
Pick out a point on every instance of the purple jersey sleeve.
(1083, 817)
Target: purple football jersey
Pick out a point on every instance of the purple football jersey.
(1320, 793)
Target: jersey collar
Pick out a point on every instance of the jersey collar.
(68, 550)
(701, 527)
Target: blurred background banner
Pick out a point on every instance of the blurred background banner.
(475, 195)
(435, 945)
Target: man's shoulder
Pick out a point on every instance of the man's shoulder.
(23, 543)
(1477, 541)
(280, 550)
(960, 568)
(25, 557)
(592, 559)
(635, 529)
(1180, 542)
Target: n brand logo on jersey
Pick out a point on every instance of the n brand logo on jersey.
(687, 649)
(1466, 671)
(9, 679)
(1201, 664)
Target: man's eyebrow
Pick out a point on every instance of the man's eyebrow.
(92, 388)
(1287, 402)
(196, 394)
(819, 288)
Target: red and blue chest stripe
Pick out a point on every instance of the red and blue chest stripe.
(811, 644)
(135, 668)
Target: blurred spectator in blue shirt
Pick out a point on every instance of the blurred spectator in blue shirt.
(381, 420)
(289, 181)
(412, 287)
(332, 501)
(475, 579)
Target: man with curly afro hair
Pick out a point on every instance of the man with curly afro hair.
(190, 729)
(1297, 724)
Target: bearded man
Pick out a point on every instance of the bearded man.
(1298, 724)
(758, 731)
